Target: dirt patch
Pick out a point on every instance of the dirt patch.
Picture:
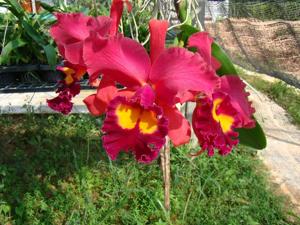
(282, 155)
(265, 46)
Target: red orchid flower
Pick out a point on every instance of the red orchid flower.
(216, 117)
(71, 30)
(69, 33)
(153, 85)
(68, 88)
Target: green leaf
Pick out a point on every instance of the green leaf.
(51, 55)
(33, 33)
(254, 137)
(48, 7)
(15, 8)
(186, 32)
(227, 66)
(9, 47)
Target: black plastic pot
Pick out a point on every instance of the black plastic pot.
(30, 74)
(50, 76)
(8, 78)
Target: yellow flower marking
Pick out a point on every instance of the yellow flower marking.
(225, 121)
(148, 122)
(129, 117)
(68, 71)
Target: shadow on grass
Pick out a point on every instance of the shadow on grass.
(54, 171)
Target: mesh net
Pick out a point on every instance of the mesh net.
(261, 36)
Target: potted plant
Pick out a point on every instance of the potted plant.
(27, 46)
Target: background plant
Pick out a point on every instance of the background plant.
(27, 40)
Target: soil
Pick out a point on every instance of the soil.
(264, 46)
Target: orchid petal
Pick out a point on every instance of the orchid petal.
(94, 105)
(202, 41)
(72, 29)
(179, 128)
(235, 88)
(145, 96)
(177, 71)
(116, 11)
(73, 53)
(62, 103)
(158, 32)
(122, 59)
(97, 103)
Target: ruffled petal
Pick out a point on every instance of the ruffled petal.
(62, 103)
(122, 59)
(214, 122)
(235, 88)
(72, 29)
(130, 127)
(202, 41)
(177, 71)
(158, 32)
(179, 127)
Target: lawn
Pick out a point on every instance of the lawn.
(53, 170)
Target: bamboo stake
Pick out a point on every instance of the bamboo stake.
(165, 166)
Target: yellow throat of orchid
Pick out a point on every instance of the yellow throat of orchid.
(129, 116)
(225, 121)
(71, 74)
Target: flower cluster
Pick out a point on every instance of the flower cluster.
(143, 113)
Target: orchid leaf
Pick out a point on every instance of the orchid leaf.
(48, 7)
(33, 33)
(186, 32)
(9, 47)
(51, 55)
(227, 67)
(15, 8)
(253, 137)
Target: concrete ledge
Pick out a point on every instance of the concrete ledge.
(35, 102)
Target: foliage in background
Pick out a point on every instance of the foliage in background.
(27, 40)
(54, 171)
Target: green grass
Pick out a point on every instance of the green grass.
(54, 171)
(279, 92)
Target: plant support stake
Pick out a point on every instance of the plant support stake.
(165, 166)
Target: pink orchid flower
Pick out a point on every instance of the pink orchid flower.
(71, 30)
(139, 116)
(216, 117)
(69, 33)
(68, 88)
